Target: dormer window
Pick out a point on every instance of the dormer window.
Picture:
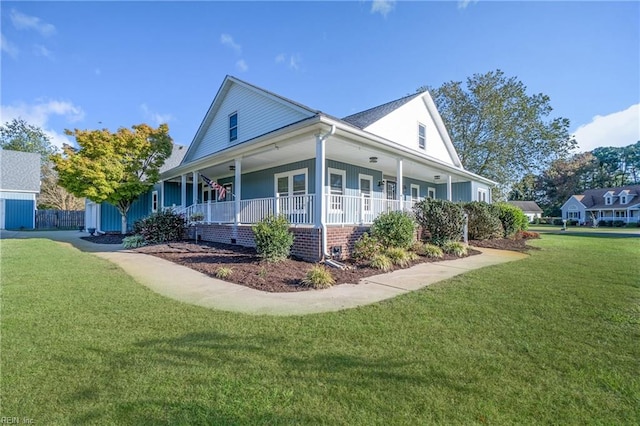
(422, 136)
(623, 199)
(607, 200)
(233, 127)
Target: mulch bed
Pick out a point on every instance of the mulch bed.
(249, 270)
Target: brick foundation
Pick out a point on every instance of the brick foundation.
(343, 237)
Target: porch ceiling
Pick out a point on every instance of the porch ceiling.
(337, 149)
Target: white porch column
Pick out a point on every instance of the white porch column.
(319, 206)
(183, 191)
(400, 183)
(196, 177)
(238, 191)
(449, 193)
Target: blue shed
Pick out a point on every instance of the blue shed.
(19, 185)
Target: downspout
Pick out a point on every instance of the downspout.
(320, 149)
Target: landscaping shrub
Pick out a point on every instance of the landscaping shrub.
(398, 256)
(432, 251)
(366, 247)
(557, 221)
(443, 219)
(223, 272)
(512, 219)
(382, 262)
(273, 238)
(318, 277)
(394, 229)
(161, 227)
(484, 223)
(133, 241)
(572, 222)
(619, 223)
(454, 247)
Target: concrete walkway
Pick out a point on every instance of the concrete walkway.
(186, 285)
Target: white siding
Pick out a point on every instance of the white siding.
(10, 195)
(401, 126)
(257, 114)
(475, 186)
(575, 206)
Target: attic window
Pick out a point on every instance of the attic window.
(623, 199)
(422, 136)
(233, 127)
(607, 200)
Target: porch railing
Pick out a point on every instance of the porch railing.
(298, 209)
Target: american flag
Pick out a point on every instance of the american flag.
(222, 192)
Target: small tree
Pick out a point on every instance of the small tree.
(18, 135)
(394, 229)
(114, 167)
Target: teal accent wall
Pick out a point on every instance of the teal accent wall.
(19, 214)
(110, 216)
(460, 191)
(260, 184)
(352, 184)
(172, 194)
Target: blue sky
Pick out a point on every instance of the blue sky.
(110, 64)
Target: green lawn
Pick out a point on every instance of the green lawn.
(585, 229)
(550, 339)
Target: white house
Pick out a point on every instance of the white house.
(609, 204)
(330, 177)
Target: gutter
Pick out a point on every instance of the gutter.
(323, 225)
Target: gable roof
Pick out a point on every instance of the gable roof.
(19, 171)
(526, 206)
(365, 118)
(594, 198)
(176, 157)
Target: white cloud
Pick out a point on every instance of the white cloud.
(155, 117)
(242, 66)
(620, 128)
(26, 22)
(292, 61)
(462, 4)
(39, 113)
(227, 40)
(8, 47)
(40, 50)
(383, 7)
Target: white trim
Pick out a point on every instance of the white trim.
(336, 206)
(424, 136)
(362, 177)
(154, 202)
(417, 188)
(431, 190)
(481, 195)
(290, 175)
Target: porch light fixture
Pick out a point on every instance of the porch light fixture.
(373, 159)
(381, 183)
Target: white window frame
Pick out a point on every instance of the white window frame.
(228, 195)
(233, 127)
(368, 199)
(431, 190)
(422, 140)
(623, 199)
(154, 202)
(608, 200)
(338, 203)
(417, 188)
(290, 175)
(482, 194)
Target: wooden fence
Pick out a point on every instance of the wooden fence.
(59, 219)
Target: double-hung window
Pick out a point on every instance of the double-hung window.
(366, 184)
(482, 195)
(422, 136)
(233, 127)
(336, 187)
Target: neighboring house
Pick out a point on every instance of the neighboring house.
(530, 208)
(330, 177)
(621, 203)
(19, 186)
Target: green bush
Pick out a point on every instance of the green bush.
(454, 247)
(133, 241)
(273, 238)
(366, 247)
(161, 227)
(443, 219)
(432, 251)
(398, 256)
(318, 277)
(512, 218)
(382, 262)
(394, 229)
(484, 221)
(618, 223)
